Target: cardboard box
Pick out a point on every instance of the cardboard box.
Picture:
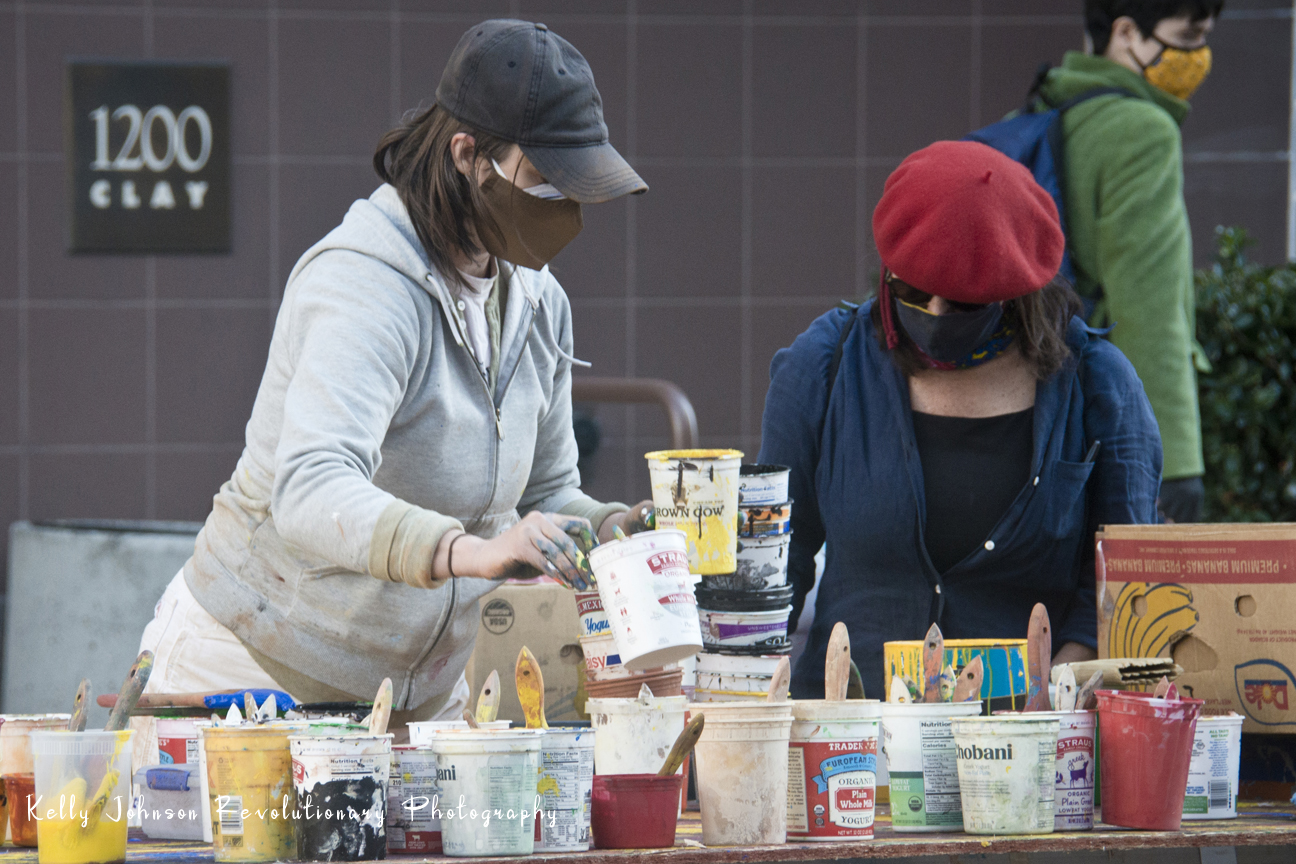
(542, 616)
(1218, 599)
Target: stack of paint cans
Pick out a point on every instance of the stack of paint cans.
(745, 613)
(605, 675)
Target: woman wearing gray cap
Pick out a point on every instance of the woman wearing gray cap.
(416, 401)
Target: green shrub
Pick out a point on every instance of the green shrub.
(1246, 321)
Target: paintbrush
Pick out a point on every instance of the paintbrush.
(779, 682)
(80, 707)
(1065, 692)
(530, 688)
(855, 689)
(218, 700)
(683, 745)
(947, 679)
(381, 714)
(1085, 695)
(1162, 687)
(470, 719)
(968, 686)
(1039, 659)
(488, 700)
(837, 664)
(899, 694)
(933, 658)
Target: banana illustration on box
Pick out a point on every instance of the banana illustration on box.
(1135, 631)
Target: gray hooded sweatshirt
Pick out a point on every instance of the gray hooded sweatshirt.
(373, 433)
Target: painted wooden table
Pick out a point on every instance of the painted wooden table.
(1267, 831)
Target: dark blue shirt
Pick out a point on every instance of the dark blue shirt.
(857, 484)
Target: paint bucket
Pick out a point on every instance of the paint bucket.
(742, 772)
(762, 564)
(412, 824)
(767, 520)
(754, 632)
(696, 491)
(250, 792)
(79, 768)
(769, 600)
(662, 682)
(832, 769)
(920, 756)
(341, 787)
(646, 590)
(602, 662)
(177, 739)
(20, 790)
(421, 732)
(1075, 768)
(728, 678)
(15, 739)
(4, 808)
(593, 620)
(762, 484)
(1003, 662)
(566, 775)
(481, 772)
(634, 735)
(1005, 773)
(1146, 750)
(1213, 770)
(635, 811)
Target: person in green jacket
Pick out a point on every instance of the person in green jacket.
(1127, 225)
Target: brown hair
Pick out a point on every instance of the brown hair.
(1040, 319)
(446, 207)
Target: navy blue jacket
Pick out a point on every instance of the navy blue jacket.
(857, 483)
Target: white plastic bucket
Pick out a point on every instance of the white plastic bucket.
(422, 732)
(480, 772)
(1213, 770)
(744, 629)
(602, 662)
(1075, 768)
(593, 620)
(177, 740)
(634, 736)
(832, 769)
(15, 739)
(648, 596)
(919, 747)
(341, 786)
(412, 824)
(762, 563)
(696, 491)
(565, 786)
(762, 484)
(737, 684)
(739, 664)
(742, 772)
(1005, 771)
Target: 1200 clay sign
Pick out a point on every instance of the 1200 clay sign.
(148, 156)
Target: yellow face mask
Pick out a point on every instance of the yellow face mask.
(1179, 72)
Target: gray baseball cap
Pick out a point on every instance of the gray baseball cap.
(525, 83)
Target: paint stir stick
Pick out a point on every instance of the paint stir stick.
(381, 714)
(80, 707)
(780, 681)
(1066, 690)
(1039, 659)
(968, 686)
(837, 664)
(488, 699)
(933, 664)
(683, 746)
(530, 687)
(899, 692)
(1086, 693)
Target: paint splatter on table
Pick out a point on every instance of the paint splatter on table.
(1257, 825)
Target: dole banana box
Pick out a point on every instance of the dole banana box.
(1218, 599)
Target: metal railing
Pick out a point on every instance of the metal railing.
(646, 391)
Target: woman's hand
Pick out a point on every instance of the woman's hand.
(638, 518)
(540, 544)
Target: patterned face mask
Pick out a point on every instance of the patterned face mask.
(1178, 71)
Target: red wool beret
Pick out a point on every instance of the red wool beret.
(961, 220)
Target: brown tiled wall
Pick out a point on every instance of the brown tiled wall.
(766, 130)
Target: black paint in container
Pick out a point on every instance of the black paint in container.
(341, 785)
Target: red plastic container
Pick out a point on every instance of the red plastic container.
(635, 811)
(1146, 746)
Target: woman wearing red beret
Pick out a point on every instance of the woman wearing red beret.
(957, 441)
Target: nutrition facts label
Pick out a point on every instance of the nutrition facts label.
(566, 777)
(797, 819)
(940, 774)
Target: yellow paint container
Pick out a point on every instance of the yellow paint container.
(83, 795)
(696, 491)
(1003, 660)
(250, 793)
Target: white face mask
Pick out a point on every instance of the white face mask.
(545, 191)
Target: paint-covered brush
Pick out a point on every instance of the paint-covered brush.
(1039, 659)
(933, 658)
(780, 681)
(968, 686)
(470, 719)
(1085, 694)
(1172, 694)
(947, 681)
(915, 692)
(530, 688)
(617, 533)
(855, 689)
(80, 707)
(683, 745)
(489, 698)
(1162, 687)
(837, 664)
(899, 694)
(131, 689)
(1065, 694)
(249, 707)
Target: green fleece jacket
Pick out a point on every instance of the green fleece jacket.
(1127, 227)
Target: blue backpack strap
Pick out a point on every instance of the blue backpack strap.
(835, 363)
